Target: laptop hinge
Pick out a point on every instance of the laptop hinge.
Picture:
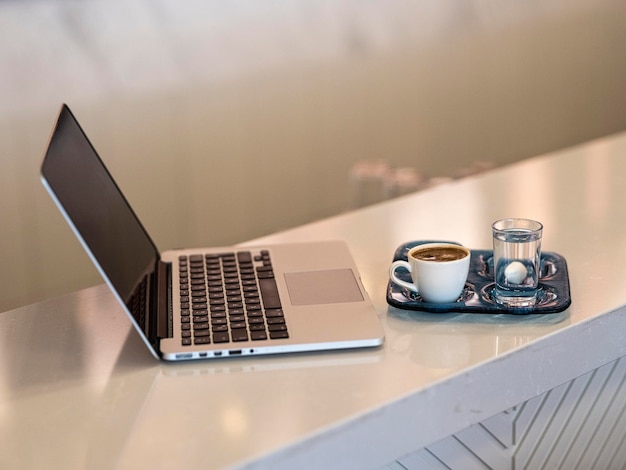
(164, 300)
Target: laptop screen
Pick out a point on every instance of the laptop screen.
(97, 210)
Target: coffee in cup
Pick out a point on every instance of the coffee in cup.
(438, 271)
(440, 253)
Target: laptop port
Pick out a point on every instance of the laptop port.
(217, 353)
(234, 352)
(202, 354)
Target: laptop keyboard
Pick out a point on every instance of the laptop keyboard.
(229, 297)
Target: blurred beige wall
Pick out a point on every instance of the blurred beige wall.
(223, 121)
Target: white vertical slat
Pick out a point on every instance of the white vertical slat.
(540, 425)
(595, 406)
(486, 446)
(526, 416)
(551, 451)
(607, 413)
(501, 426)
(618, 456)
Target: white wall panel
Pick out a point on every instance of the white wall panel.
(578, 425)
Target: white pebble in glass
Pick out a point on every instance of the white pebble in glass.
(515, 272)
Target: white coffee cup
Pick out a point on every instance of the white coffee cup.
(438, 271)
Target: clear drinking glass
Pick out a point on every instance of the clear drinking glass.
(516, 261)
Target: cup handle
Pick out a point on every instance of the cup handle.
(400, 282)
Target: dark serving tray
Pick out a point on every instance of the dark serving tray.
(554, 290)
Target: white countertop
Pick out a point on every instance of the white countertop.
(79, 390)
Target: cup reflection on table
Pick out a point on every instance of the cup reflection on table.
(516, 261)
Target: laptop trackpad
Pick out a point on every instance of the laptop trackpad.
(323, 287)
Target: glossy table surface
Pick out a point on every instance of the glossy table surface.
(79, 390)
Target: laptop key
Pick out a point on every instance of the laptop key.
(258, 335)
(284, 334)
(244, 257)
(281, 327)
(269, 293)
(221, 337)
(274, 312)
(240, 334)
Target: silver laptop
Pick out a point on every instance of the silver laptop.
(214, 302)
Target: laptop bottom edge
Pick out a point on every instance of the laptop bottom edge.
(231, 350)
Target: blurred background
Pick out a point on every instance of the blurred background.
(227, 120)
